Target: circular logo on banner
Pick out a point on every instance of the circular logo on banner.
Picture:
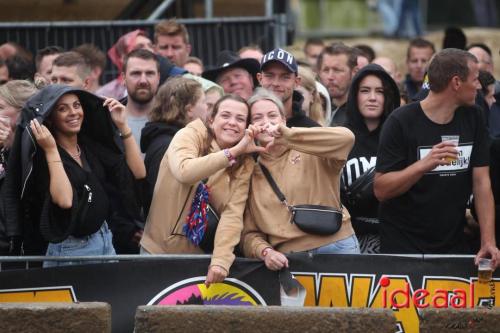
(194, 291)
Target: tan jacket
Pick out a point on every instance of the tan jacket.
(307, 173)
(181, 170)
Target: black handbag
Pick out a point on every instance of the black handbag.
(312, 219)
(207, 242)
(360, 193)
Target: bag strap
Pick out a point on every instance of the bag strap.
(276, 189)
(274, 186)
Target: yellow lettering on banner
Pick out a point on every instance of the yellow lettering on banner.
(407, 317)
(309, 283)
(333, 292)
(61, 295)
(361, 287)
(486, 291)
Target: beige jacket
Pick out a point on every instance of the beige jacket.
(181, 170)
(307, 173)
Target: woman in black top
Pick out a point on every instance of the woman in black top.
(372, 97)
(71, 173)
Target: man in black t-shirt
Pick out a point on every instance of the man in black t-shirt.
(432, 155)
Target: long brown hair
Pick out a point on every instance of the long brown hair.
(173, 98)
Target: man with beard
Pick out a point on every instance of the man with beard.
(280, 75)
(141, 77)
(337, 64)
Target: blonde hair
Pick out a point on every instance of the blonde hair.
(171, 28)
(308, 82)
(262, 94)
(17, 92)
(173, 98)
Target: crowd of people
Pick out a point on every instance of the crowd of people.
(260, 155)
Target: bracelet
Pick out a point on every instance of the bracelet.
(265, 251)
(126, 136)
(56, 161)
(230, 157)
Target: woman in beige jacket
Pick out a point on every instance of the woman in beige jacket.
(218, 151)
(305, 164)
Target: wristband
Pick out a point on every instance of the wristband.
(230, 157)
(265, 252)
(126, 135)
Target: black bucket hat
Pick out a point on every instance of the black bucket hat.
(229, 59)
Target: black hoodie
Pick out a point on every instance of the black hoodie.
(363, 155)
(299, 118)
(155, 139)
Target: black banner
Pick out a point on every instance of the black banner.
(127, 284)
(405, 284)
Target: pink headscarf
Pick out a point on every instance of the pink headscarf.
(123, 46)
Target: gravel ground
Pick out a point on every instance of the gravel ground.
(396, 48)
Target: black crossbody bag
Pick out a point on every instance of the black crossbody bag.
(207, 242)
(360, 192)
(312, 219)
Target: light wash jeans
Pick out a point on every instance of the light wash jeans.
(143, 251)
(347, 245)
(98, 244)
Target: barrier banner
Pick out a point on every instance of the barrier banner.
(127, 284)
(405, 284)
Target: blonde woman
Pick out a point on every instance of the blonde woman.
(13, 96)
(305, 164)
(312, 105)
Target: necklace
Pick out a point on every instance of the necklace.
(78, 152)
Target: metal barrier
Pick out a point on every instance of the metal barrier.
(208, 36)
(24, 262)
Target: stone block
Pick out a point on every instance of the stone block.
(254, 319)
(477, 320)
(55, 317)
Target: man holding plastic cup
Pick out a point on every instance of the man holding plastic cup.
(432, 155)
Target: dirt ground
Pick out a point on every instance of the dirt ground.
(396, 48)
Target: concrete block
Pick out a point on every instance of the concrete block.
(55, 317)
(254, 319)
(477, 320)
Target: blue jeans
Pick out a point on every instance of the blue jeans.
(347, 245)
(98, 244)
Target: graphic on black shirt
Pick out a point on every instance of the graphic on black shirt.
(459, 165)
(357, 166)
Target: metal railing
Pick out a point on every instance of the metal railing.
(208, 36)
(27, 262)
